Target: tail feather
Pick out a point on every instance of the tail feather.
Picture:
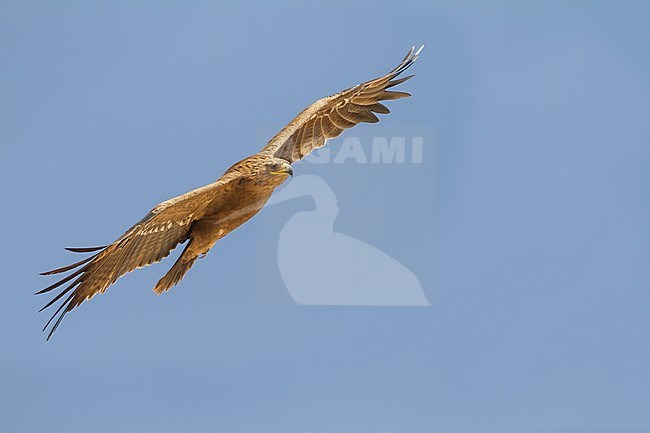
(176, 273)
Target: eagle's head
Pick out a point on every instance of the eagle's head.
(279, 167)
(263, 169)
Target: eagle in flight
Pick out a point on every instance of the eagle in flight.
(205, 215)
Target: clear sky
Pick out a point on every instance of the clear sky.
(525, 223)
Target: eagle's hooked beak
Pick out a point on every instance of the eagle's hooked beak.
(285, 170)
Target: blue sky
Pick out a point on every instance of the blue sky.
(526, 223)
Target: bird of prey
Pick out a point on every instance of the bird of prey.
(201, 217)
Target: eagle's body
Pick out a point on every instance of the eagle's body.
(201, 217)
(238, 196)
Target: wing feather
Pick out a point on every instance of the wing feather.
(328, 117)
(338, 120)
(147, 242)
(379, 108)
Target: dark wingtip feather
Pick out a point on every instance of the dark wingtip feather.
(65, 307)
(60, 295)
(69, 267)
(86, 249)
(394, 83)
(408, 60)
(62, 281)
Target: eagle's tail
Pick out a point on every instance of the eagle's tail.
(177, 272)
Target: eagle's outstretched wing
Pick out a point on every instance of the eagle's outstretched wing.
(147, 242)
(328, 117)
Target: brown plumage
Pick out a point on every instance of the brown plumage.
(203, 216)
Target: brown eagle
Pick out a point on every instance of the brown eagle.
(205, 215)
